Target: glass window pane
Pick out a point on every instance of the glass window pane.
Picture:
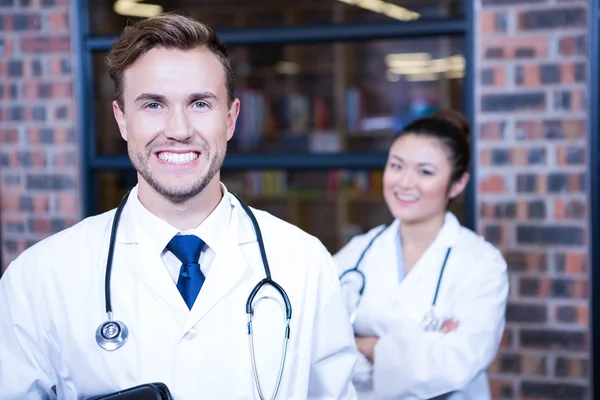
(329, 97)
(332, 205)
(110, 17)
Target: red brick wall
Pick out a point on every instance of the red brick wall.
(39, 154)
(532, 179)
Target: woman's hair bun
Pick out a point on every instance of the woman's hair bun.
(455, 118)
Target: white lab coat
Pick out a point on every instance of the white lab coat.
(410, 363)
(52, 301)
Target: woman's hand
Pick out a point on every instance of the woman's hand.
(366, 345)
(449, 325)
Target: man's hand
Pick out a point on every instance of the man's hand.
(366, 345)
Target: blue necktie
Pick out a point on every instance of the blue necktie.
(187, 249)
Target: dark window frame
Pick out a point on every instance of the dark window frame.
(594, 188)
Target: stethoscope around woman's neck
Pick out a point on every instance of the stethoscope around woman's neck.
(430, 322)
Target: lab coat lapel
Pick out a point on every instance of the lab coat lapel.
(146, 264)
(228, 268)
(431, 261)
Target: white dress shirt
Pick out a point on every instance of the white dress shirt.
(211, 231)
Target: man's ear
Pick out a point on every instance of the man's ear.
(232, 115)
(120, 118)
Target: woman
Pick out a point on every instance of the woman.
(406, 351)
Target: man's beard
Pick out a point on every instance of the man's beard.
(141, 163)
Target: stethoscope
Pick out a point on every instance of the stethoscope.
(113, 334)
(430, 321)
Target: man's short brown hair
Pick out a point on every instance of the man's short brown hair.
(170, 31)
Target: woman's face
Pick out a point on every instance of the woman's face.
(416, 179)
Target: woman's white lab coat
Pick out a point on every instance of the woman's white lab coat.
(52, 301)
(410, 363)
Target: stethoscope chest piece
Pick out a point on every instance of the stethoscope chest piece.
(431, 323)
(111, 335)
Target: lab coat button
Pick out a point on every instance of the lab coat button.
(191, 334)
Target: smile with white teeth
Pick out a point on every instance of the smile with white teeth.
(177, 158)
(405, 198)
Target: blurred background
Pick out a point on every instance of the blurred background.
(324, 84)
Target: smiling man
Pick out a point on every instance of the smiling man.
(186, 258)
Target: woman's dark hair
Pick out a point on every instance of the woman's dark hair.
(452, 130)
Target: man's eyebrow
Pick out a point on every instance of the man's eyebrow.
(202, 96)
(150, 97)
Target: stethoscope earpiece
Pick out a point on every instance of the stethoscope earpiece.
(111, 335)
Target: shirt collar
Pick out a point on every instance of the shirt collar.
(211, 230)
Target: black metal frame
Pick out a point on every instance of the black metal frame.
(88, 44)
(594, 188)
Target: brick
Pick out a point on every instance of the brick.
(501, 156)
(12, 179)
(502, 389)
(9, 136)
(571, 367)
(23, 22)
(527, 75)
(566, 129)
(527, 183)
(544, 390)
(492, 184)
(536, 209)
(38, 44)
(36, 68)
(571, 155)
(13, 226)
(569, 209)
(34, 204)
(494, 234)
(529, 130)
(579, 100)
(580, 72)
(534, 364)
(571, 263)
(492, 130)
(39, 113)
(552, 18)
(16, 113)
(550, 73)
(569, 288)
(572, 45)
(562, 100)
(66, 203)
(550, 235)
(522, 312)
(515, 47)
(506, 363)
(513, 102)
(505, 210)
(519, 261)
(49, 181)
(549, 339)
(534, 287)
(571, 314)
(65, 66)
(15, 68)
(487, 22)
(58, 21)
(560, 182)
